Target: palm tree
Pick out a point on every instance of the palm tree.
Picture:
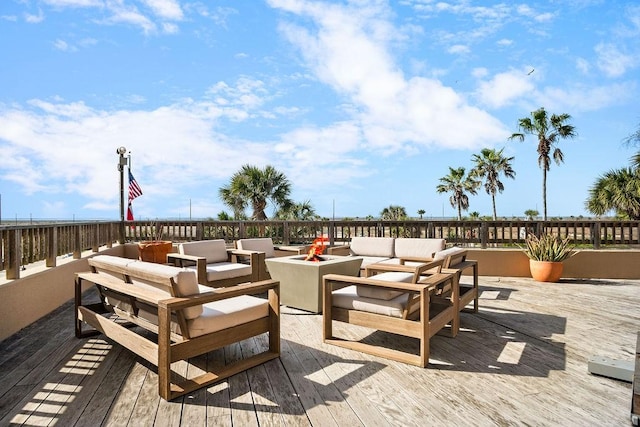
(489, 164)
(298, 212)
(235, 201)
(458, 184)
(393, 213)
(421, 212)
(531, 213)
(255, 186)
(548, 130)
(617, 190)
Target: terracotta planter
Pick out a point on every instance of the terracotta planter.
(545, 271)
(154, 250)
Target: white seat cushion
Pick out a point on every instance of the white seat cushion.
(227, 313)
(212, 250)
(258, 245)
(348, 298)
(384, 293)
(225, 270)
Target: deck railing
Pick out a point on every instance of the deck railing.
(26, 244)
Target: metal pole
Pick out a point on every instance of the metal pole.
(122, 162)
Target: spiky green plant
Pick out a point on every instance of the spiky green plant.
(547, 247)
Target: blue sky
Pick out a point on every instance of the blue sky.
(362, 104)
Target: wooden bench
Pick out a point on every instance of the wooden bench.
(186, 319)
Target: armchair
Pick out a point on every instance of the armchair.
(392, 298)
(216, 265)
(264, 245)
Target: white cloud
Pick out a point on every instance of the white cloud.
(166, 9)
(130, 15)
(459, 49)
(75, 3)
(585, 98)
(63, 46)
(155, 139)
(395, 112)
(613, 62)
(34, 19)
(505, 87)
(583, 65)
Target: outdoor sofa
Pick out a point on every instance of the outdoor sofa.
(186, 319)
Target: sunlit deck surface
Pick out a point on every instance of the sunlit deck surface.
(522, 360)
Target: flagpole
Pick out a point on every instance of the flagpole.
(122, 161)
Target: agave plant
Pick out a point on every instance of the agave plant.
(547, 247)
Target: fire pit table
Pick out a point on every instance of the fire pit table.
(301, 280)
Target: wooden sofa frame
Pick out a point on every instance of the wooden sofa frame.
(422, 323)
(171, 346)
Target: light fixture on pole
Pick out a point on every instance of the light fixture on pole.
(122, 162)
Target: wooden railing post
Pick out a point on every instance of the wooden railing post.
(331, 231)
(77, 245)
(285, 233)
(15, 254)
(484, 234)
(52, 246)
(595, 235)
(95, 246)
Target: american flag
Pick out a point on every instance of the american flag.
(134, 191)
(134, 188)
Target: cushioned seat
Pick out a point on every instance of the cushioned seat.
(349, 299)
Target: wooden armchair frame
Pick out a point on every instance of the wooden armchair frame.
(173, 346)
(457, 263)
(431, 315)
(254, 259)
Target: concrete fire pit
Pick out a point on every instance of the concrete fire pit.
(301, 281)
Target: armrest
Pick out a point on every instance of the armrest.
(339, 250)
(352, 280)
(295, 250)
(253, 256)
(414, 259)
(177, 259)
(417, 270)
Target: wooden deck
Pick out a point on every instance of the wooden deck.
(522, 360)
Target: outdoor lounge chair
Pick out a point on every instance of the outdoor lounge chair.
(265, 247)
(396, 299)
(215, 264)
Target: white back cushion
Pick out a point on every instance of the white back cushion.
(445, 253)
(259, 245)
(372, 246)
(415, 247)
(186, 281)
(212, 250)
